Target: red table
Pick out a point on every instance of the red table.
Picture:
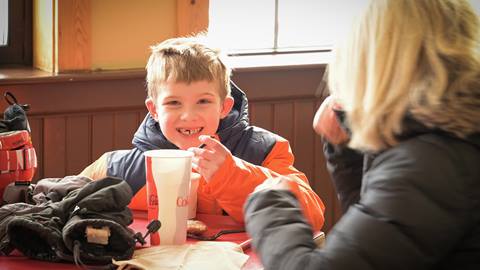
(17, 261)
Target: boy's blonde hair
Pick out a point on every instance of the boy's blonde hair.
(186, 60)
(417, 58)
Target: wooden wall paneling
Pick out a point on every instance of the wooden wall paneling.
(36, 126)
(261, 115)
(140, 116)
(303, 140)
(326, 190)
(78, 141)
(77, 95)
(54, 143)
(283, 123)
(279, 84)
(126, 123)
(102, 134)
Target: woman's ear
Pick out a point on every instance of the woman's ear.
(227, 106)
(152, 109)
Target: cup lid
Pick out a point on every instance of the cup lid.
(168, 153)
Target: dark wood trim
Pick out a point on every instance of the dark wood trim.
(14, 76)
(19, 48)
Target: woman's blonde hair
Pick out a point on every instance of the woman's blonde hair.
(415, 58)
(187, 60)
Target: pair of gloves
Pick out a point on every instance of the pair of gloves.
(56, 231)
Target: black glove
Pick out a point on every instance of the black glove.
(105, 210)
(18, 193)
(39, 235)
(7, 212)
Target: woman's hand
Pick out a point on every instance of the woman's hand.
(326, 124)
(280, 182)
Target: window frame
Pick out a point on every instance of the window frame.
(18, 50)
(275, 49)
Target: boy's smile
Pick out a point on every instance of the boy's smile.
(186, 111)
(188, 132)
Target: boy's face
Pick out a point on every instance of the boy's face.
(186, 111)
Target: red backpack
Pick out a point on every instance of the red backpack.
(18, 159)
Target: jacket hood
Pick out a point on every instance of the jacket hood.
(474, 139)
(457, 112)
(149, 136)
(414, 128)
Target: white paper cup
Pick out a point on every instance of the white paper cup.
(168, 189)
(192, 198)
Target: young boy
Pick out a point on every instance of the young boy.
(191, 101)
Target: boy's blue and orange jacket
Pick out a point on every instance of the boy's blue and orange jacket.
(257, 154)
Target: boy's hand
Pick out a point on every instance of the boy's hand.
(209, 159)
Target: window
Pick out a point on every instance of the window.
(476, 6)
(278, 25)
(16, 32)
(269, 26)
(3, 22)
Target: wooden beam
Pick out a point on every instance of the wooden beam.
(43, 38)
(62, 35)
(73, 49)
(192, 16)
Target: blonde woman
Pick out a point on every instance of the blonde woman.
(407, 79)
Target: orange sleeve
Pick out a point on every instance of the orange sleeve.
(237, 178)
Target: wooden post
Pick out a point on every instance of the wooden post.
(62, 35)
(73, 35)
(192, 17)
(43, 38)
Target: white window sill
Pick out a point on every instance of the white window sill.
(279, 61)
